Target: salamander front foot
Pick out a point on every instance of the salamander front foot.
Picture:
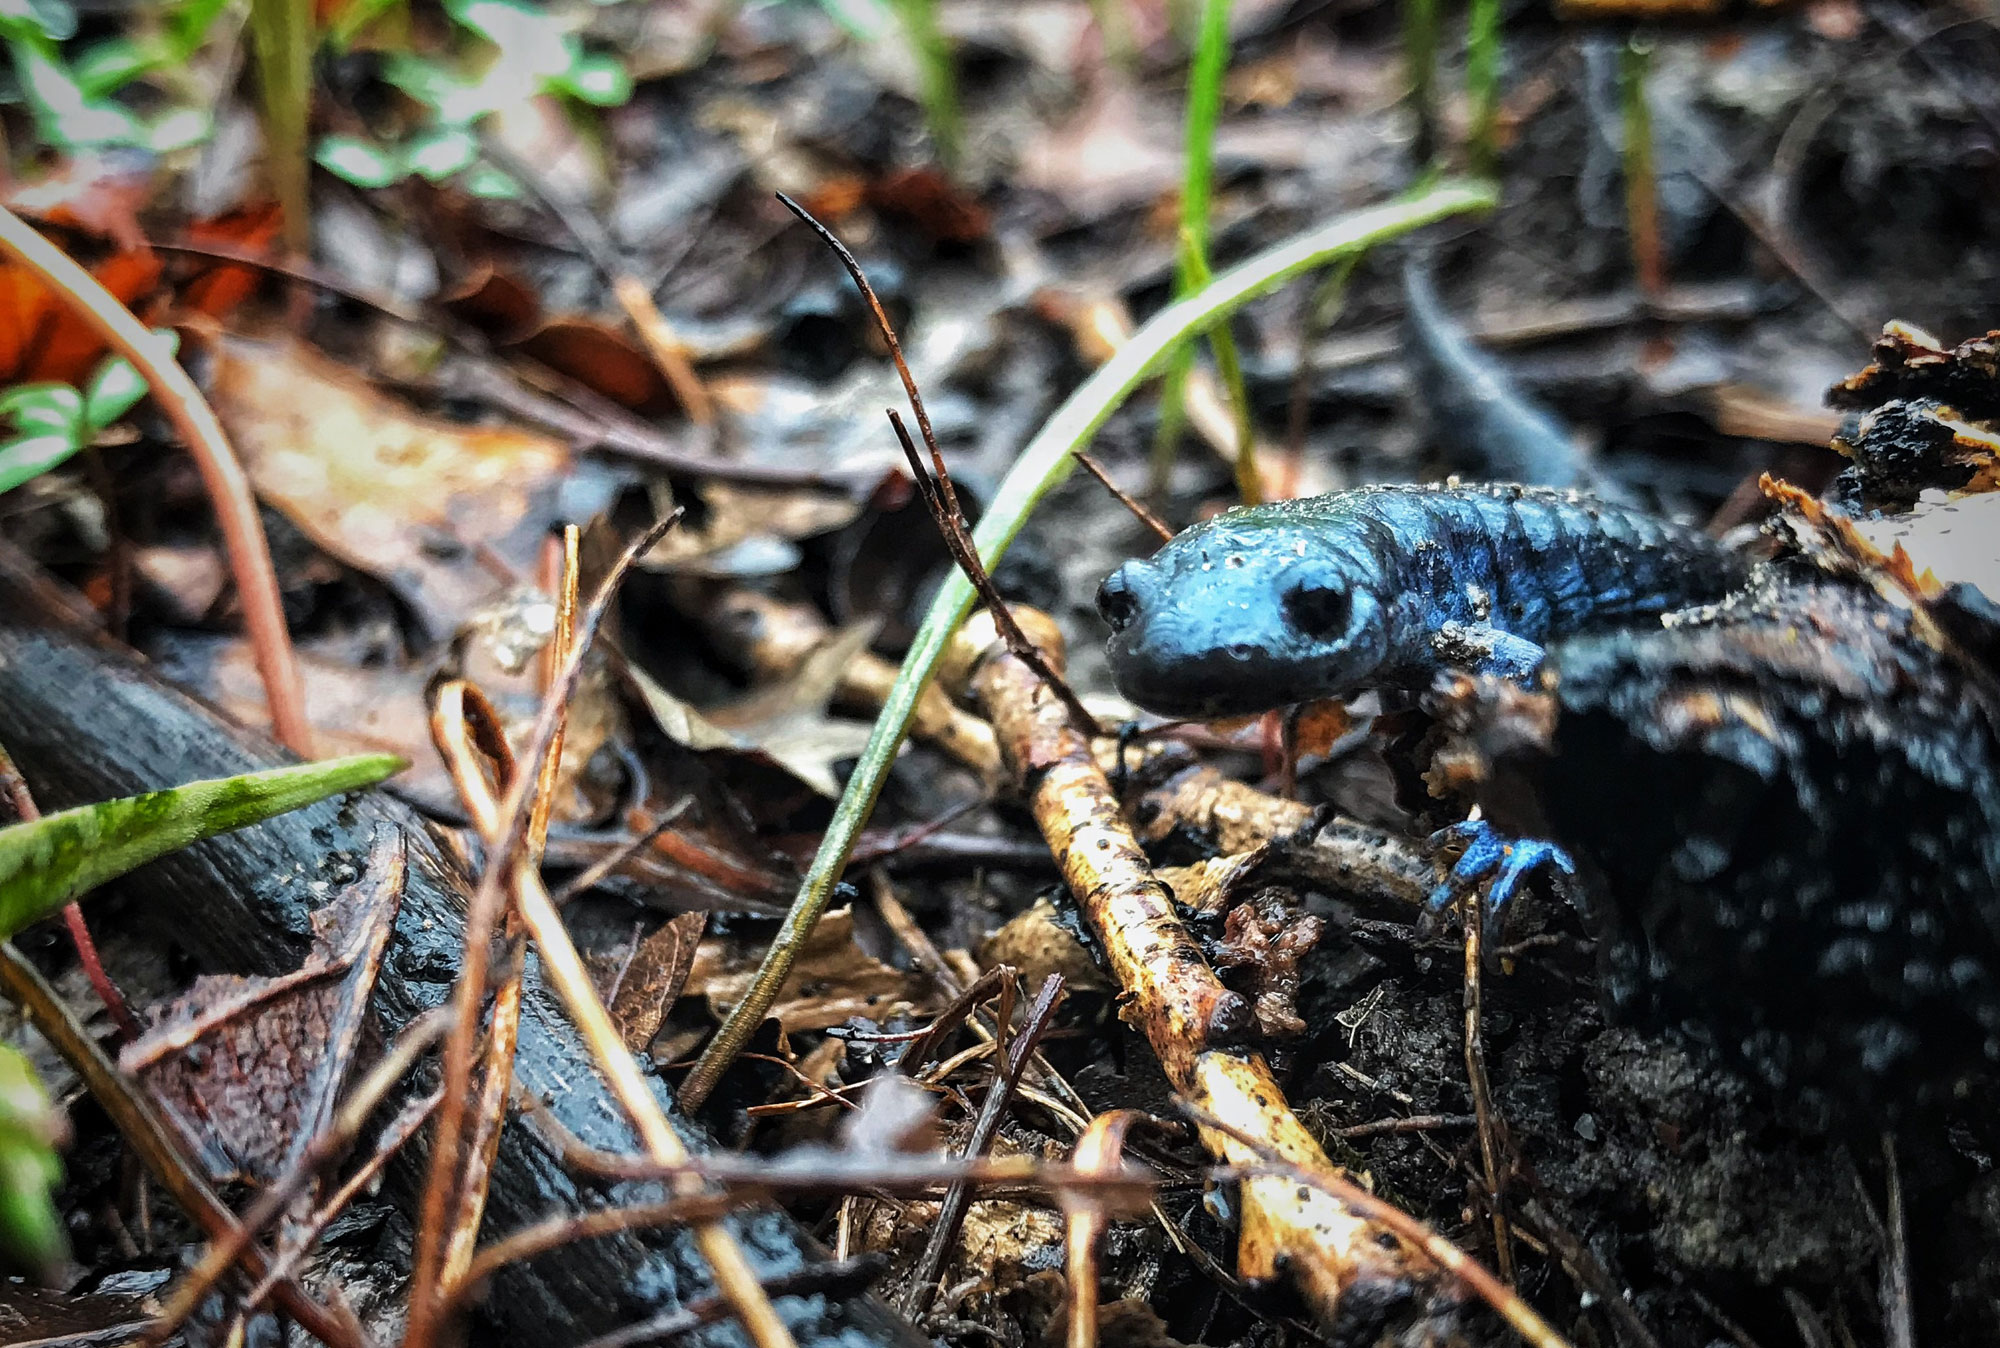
(1490, 855)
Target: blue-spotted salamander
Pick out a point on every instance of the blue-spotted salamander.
(1391, 588)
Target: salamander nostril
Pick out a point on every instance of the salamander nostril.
(1117, 600)
(1316, 610)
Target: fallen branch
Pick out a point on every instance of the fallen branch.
(1192, 1021)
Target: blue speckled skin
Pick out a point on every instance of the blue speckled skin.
(1389, 587)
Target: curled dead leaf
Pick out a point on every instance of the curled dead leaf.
(834, 980)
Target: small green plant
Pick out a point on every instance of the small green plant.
(1420, 44)
(71, 95)
(53, 421)
(1642, 203)
(513, 52)
(44, 864)
(31, 1128)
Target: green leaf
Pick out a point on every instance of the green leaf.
(63, 115)
(489, 182)
(363, 163)
(437, 154)
(114, 390)
(179, 128)
(50, 409)
(31, 1232)
(105, 67)
(190, 25)
(48, 20)
(46, 863)
(32, 455)
(601, 81)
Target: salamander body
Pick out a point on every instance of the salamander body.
(1389, 587)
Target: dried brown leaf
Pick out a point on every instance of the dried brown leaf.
(249, 1067)
(833, 981)
(411, 499)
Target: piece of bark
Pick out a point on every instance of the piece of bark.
(86, 721)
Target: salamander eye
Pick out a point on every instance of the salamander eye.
(1118, 600)
(1316, 610)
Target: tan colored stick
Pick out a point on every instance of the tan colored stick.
(1172, 995)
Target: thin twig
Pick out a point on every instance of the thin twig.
(564, 969)
(942, 499)
(155, 1141)
(1101, 1150)
(596, 871)
(1006, 1079)
(25, 810)
(1482, 1090)
(813, 1279)
(481, 922)
(471, 739)
(414, 1115)
(221, 473)
(1124, 498)
(1898, 1314)
(1412, 1123)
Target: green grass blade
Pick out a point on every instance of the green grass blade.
(938, 73)
(1482, 82)
(46, 863)
(1420, 43)
(282, 35)
(32, 1239)
(1042, 466)
(1204, 110)
(1229, 366)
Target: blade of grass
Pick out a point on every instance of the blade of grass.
(1204, 109)
(934, 69)
(1420, 42)
(281, 33)
(45, 864)
(1642, 203)
(1482, 81)
(1229, 365)
(1042, 466)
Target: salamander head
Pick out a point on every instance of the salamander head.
(1242, 614)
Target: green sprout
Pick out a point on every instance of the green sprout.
(53, 421)
(517, 52)
(71, 96)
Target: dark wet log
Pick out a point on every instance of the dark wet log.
(86, 721)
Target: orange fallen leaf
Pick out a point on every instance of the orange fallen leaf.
(42, 338)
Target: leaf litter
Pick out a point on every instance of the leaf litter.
(411, 518)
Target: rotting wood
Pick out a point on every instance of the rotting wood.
(86, 722)
(1332, 1253)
